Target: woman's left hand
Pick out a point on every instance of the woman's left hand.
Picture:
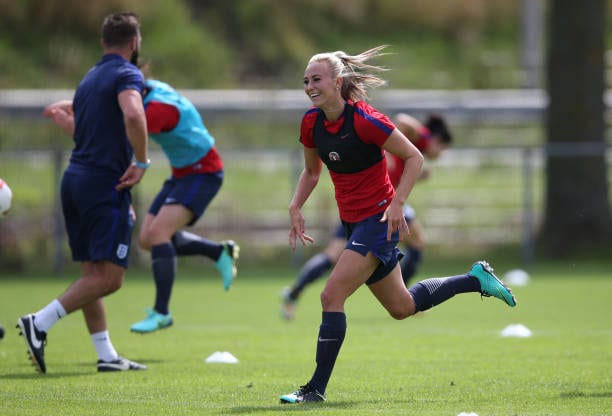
(394, 216)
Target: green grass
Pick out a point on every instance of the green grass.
(446, 361)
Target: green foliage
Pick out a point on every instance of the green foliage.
(181, 52)
(265, 43)
(53, 43)
(221, 44)
(449, 360)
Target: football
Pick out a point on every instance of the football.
(6, 197)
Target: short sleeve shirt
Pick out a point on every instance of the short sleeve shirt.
(100, 138)
(366, 192)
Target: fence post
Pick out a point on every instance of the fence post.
(58, 220)
(528, 207)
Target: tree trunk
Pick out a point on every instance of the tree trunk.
(577, 213)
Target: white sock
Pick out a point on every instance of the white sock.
(49, 315)
(104, 347)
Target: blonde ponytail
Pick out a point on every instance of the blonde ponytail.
(357, 76)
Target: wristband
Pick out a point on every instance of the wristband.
(143, 165)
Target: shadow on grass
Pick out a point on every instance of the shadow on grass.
(39, 376)
(144, 361)
(52, 374)
(581, 394)
(283, 408)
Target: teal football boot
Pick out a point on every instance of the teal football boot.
(226, 263)
(490, 285)
(152, 322)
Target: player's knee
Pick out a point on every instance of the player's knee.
(145, 238)
(399, 315)
(328, 299)
(153, 236)
(325, 299)
(144, 242)
(400, 312)
(113, 285)
(110, 278)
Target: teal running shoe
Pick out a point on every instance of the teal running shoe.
(490, 285)
(287, 304)
(152, 322)
(226, 264)
(305, 393)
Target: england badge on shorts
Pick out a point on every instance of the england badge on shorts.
(122, 250)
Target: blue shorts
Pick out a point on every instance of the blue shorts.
(97, 218)
(370, 235)
(340, 231)
(409, 215)
(193, 192)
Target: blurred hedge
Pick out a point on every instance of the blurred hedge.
(257, 43)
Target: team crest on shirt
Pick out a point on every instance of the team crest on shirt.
(334, 156)
(122, 250)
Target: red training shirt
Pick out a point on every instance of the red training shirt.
(361, 194)
(162, 117)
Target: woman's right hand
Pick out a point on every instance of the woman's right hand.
(297, 229)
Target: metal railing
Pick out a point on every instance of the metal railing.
(477, 195)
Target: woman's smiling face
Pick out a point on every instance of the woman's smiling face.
(319, 85)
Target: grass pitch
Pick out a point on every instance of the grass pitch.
(449, 360)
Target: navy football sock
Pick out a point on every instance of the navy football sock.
(311, 271)
(331, 336)
(163, 257)
(189, 244)
(410, 263)
(431, 292)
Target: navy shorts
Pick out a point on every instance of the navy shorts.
(370, 235)
(193, 192)
(340, 231)
(97, 218)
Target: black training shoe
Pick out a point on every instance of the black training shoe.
(120, 364)
(35, 340)
(306, 393)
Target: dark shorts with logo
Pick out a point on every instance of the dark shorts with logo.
(97, 218)
(193, 192)
(370, 235)
(340, 231)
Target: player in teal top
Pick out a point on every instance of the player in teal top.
(189, 140)
(197, 175)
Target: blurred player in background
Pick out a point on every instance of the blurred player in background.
(431, 137)
(197, 175)
(350, 137)
(109, 130)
